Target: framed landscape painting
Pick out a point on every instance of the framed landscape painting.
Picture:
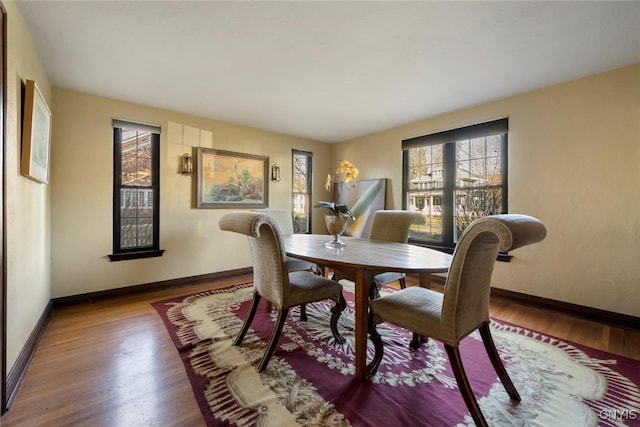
(228, 180)
(36, 135)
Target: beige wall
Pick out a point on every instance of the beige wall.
(81, 183)
(574, 162)
(574, 151)
(27, 202)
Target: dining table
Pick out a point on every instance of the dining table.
(365, 258)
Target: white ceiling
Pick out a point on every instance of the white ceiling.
(324, 70)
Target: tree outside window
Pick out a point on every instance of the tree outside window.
(301, 194)
(453, 178)
(136, 191)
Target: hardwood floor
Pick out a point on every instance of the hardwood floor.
(112, 363)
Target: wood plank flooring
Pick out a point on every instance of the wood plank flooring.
(112, 363)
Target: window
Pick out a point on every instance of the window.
(301, 194)
(453, 178)
(136, 189)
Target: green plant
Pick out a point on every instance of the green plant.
(336, 209)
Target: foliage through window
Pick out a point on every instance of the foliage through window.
(301, 195)
(453, 178)
(135, 191)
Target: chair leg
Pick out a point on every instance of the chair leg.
(417, 340)
(372, 367)
(403, 283)
(463, 384)
(282, 316)
(373, 291)
(249, 319)
(336, 311)
(303, 313)
(336, 277)
(498, 366)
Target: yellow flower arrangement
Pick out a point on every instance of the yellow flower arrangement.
(346, 172)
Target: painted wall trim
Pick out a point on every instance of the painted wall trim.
(610, 318)
(130, 290)
(19, 368)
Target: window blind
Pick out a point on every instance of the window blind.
(143, 127)
(468, 132)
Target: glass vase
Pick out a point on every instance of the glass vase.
(336, 225)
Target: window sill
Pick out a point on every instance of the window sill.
(502, 256)
(135, 255)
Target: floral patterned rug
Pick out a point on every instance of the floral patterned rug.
(309, 380)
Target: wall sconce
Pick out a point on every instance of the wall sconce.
(186, 164)
(275, 173)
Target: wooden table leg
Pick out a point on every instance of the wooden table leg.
(363, 279)
(325, 272)
(425, 280)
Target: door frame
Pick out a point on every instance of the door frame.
(3, 207)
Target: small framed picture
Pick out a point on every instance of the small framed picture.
(36, 135)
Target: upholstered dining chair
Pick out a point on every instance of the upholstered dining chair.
(285, 221)
(464, 306)
(273, 281)
(389, 226)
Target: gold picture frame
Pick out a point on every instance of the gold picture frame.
(36, 135)
(229, 180)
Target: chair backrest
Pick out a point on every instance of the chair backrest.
(282, 217)
(270, 275)
(466, 295)
(393, 225)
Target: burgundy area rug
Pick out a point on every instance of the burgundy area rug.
(309, 380)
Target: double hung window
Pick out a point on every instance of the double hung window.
(136, 191)
(301, 166)
(453, 178)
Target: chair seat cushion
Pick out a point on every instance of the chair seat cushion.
(308, 287)
(295, 264)
(379, 279)
(387, 277)
(414, 308)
